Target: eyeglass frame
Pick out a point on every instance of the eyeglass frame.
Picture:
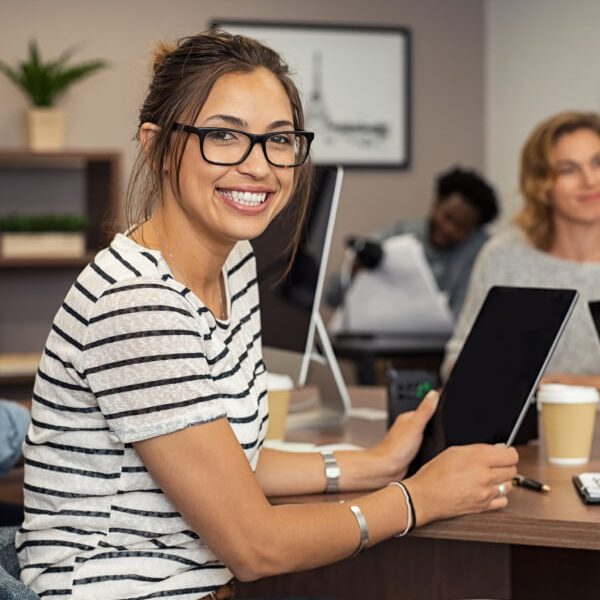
(255, 138)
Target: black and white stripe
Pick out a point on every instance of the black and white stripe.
(132, 354)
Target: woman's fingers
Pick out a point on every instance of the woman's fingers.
(464, 479)
(427, 407)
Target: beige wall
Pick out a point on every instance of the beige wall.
(447, 70)
(541, 59)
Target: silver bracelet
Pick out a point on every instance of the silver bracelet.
(410, 511)
(332, 472)
(364, 529)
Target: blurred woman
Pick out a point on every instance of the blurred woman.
(555, 241)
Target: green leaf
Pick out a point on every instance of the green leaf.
(42, 222)
(45, 82)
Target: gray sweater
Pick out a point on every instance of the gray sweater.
(508, 259)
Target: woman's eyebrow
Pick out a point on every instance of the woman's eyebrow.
(236, 121)
(281, 123)
(241, 124)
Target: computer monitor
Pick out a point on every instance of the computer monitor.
(291, 321)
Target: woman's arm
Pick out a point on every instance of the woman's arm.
(204, 472)
(206, 475)
(287, 473)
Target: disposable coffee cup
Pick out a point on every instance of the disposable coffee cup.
(279, 388)
(568, 414)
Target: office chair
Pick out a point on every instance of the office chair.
(11, 587)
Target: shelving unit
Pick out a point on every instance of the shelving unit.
(83, 182)
(43, 261)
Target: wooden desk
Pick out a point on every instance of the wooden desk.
(542, 546)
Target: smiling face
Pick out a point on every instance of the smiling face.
(225, 204)
(575, 193)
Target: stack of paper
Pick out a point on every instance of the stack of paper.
(400, 296)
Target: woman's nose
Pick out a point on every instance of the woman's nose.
(255, 163)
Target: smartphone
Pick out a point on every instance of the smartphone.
(588, 486)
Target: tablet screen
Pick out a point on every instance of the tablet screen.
(498, 369)
(594, 307)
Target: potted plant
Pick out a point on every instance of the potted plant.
(23, 236)
(44, 83)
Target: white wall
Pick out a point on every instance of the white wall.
(541, 58)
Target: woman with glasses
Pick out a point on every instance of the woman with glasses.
(145, 471)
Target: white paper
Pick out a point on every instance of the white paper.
(367, 413)
(399, 296)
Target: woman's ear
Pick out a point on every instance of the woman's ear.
(147, 133)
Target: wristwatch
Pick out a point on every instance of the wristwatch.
(332, 472)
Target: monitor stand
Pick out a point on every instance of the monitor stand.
(322, 370)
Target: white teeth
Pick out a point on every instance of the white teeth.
(245, 198)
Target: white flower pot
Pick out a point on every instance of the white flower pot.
(45, 129)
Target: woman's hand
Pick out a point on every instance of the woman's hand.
(403, 440)
(463, 479)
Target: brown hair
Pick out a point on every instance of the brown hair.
(537, 173)
(183, 76)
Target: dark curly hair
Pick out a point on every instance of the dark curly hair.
(473, 188)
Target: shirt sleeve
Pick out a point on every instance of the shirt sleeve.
(148, 361)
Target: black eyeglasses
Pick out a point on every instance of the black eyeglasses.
(223, 146)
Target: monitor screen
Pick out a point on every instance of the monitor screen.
(287, 304)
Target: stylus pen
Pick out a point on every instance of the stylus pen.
(530, 484)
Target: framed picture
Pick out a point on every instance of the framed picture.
(355, 85)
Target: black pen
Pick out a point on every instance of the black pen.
(530, 484)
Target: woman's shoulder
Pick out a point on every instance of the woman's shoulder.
(507, 237)
(124, 267)
(507, 245)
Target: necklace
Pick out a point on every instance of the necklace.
(173, 263)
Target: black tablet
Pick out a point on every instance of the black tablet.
(594, 307)
(505, 354)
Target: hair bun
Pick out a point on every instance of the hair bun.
(160, 52)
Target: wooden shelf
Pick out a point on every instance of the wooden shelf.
(45, 261)
(18, 368)
(17, 380)
(68, 158)
(98, 172)
(84, 182)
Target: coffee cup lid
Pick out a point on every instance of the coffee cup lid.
(278, 382)
(559, 393)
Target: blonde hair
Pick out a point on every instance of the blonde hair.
(538, 174)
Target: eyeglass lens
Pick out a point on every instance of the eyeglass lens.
(284, 149)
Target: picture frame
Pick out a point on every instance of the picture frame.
(355, 83)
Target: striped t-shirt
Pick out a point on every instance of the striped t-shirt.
(133, 354)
